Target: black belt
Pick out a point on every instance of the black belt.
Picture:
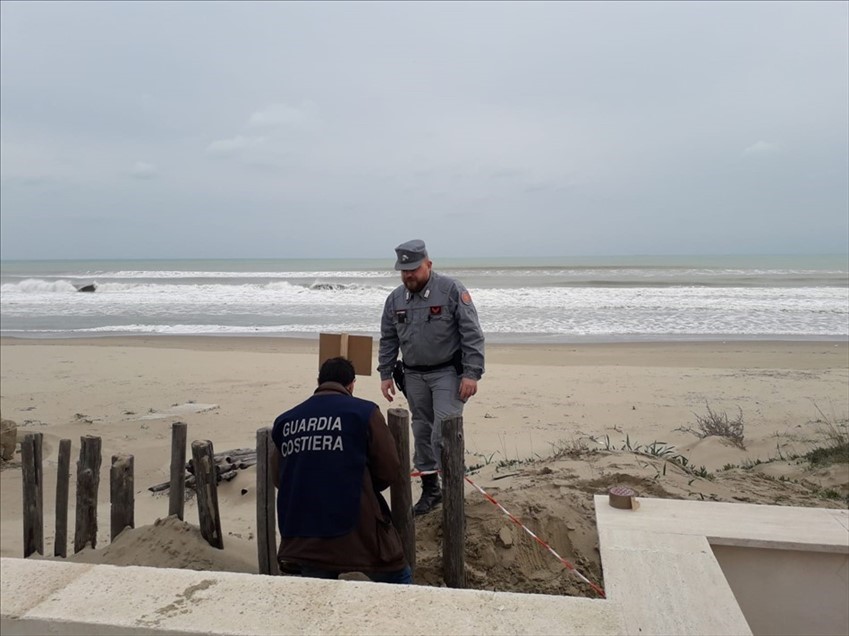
(424, 368)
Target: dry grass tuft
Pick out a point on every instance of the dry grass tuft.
(716, 424)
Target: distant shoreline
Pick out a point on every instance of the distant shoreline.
(766, 353)
(491, 339)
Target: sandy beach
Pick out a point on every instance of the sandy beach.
(545, 431)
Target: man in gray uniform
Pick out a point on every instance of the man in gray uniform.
(433, 322)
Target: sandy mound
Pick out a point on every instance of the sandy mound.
(554, 498)
(171, 543)
(501, 556)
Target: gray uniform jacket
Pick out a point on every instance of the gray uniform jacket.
(430, 326)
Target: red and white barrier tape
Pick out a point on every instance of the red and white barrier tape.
(512, 518)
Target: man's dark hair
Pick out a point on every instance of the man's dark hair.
(337, 370)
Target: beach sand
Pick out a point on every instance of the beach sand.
(550, 427)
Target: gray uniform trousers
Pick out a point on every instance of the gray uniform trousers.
(433, 397)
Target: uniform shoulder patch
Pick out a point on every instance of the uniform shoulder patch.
(466, 297)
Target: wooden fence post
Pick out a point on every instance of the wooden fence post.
(206, 487)
(121, 494)
(400, 492)
(266, 518)
(177, 493)
(63, 477)
(88, 483)
(33, 493)
(453, 504)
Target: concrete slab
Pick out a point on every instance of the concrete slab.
(748, 525)
(704, 567)
(25, 583)
(668, 584)
(842, 517)
(670, 568)
(135, 600)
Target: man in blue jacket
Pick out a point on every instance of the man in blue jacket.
(335, 455)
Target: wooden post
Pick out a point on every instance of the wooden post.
(88, 483)
(453, 504)
(33, 493)
(63, 477)
(121, 495)
(177, 493)
(266, 519)
(400, 492)
(206, 487)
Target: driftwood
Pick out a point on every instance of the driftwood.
(209, 517)
(227, 465)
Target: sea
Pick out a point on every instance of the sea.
(519, 300)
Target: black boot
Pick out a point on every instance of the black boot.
(431, 495)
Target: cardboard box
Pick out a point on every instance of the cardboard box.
(356, 348)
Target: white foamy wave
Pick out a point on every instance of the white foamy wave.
(319, 285)
(184, 329)
(282, 287)
(109, 288)
(192, 274)
(812, 298)
(560, 301)
(36, 285)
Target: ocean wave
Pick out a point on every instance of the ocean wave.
(190, 329)
(637, 327)
(38, 286)
(187, 292)
(200, 274)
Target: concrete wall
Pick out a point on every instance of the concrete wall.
(670, 567)
(54, 597)
(788, 592)
(709, 567)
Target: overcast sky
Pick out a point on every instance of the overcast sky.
(217, 130)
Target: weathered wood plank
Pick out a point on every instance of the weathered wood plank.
(453, 503)
(206, 488)
(121, 482)
(400, 492)
(33, 493)
(88, 483)
(266, 519)
(63, 478)
(177, 495)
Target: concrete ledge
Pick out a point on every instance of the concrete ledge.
(674, 567)
(105, 599)
(663, 571)
(668, 584)
(735, 524)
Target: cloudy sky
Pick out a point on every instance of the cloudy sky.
(218, 130)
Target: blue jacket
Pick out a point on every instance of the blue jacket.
(323, 450)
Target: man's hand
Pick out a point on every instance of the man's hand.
(387, 387)
(468, 388)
